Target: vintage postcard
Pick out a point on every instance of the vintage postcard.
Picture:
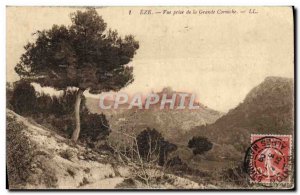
(148, 98)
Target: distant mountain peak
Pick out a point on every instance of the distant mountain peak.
(277, 78)
(271, 87)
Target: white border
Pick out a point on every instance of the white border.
(4, 3)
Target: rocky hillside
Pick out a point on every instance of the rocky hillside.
(38, 158)
(171, 123)
(267, 109)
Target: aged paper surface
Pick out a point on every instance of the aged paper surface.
(150, 97)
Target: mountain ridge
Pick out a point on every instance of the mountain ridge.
(171, 123)
(267, 109)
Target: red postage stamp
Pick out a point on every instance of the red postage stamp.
(269, 158)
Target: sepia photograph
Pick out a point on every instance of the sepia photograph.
(150, 98)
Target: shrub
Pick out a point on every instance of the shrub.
(65, 103)
(57, 112)
(94, 127)
(44, 103)
(200, 145)
(23, 98)
(151, 144)
(166, 148)
(174, 161)
(58, 105)
(22, 154)
(179, 167)
(65, 124)
(19, 153)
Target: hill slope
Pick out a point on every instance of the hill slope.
(267, 109)
(38, 158)
(50, 161)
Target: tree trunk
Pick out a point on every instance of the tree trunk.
(76, 132)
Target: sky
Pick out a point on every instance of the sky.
(218, 57)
